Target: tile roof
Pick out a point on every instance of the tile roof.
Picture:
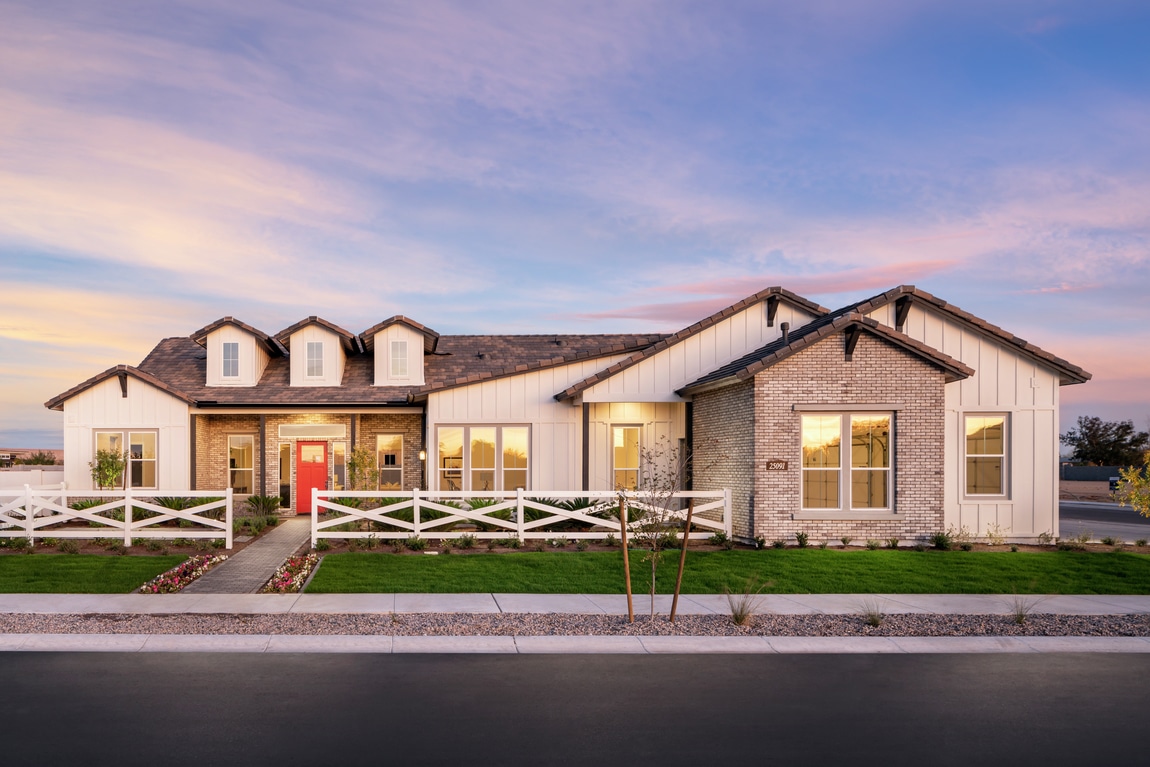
(430, 337)
(269, 344)
(350, 342)
(1068, 373)
(824, 327)
(776, 292)
(57, 402)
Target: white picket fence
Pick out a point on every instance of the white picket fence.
(522, 514)
(45, 513)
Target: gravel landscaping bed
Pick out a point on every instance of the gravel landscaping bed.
(553, 624)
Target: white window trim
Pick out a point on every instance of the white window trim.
(399, 465)
(224, 359)
(255, 445)
(466, 468)
(125, 436)
(1005, 494)
(402, 346)
(307, 360)
(611, 451)
(845, 471)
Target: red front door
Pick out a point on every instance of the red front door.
(310, 472)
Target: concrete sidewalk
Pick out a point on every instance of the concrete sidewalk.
(575, 604)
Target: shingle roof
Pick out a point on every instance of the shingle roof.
(1068, 373)
(57, 402)
(179, 366)
(430, 337)
(350, 342)
(776, 292)
(754, 362)
(269, 344)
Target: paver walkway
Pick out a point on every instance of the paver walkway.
(247, 571)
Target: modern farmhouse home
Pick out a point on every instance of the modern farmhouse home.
(894, 417)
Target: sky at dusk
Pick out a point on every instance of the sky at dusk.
(528, 167)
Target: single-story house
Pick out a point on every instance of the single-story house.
(950, 420)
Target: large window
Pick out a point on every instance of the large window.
(241, 463)
(483, 458)
(389, 461)
(285, 474)
(863, 485)
(985, 454)
(315, 359)
(625, 457)
(231, 361)
(399, 359)
(339, 466)
(139, 449)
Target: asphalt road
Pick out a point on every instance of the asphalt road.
(1102, 520)
(170, 709)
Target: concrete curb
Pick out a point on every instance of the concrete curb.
(562, 645)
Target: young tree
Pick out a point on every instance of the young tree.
(1134, 490)
(108, 468)
(653, 510)
(1106, 443)
(361, 471)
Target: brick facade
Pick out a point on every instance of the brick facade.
(880, 373)
(724, 451)
(212, 433)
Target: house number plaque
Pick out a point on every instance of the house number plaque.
(776, 465)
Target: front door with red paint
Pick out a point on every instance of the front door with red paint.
(310, 472)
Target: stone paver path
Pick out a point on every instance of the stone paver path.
(247, 571)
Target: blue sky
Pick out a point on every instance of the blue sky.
(578, 167)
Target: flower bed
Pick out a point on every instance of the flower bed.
(181, 575)
(290, 576)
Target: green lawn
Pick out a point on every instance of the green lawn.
(79, 573)
(794, 571)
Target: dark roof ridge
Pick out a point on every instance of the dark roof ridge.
(755, 362)
(430, 337)
(270, 344)
(284, 336)
(777, 291)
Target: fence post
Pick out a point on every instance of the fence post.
(519, 514)
(728, 527)
(415, 511)
(29, 516)
(314, 524)
(127, 516)
(228, 511)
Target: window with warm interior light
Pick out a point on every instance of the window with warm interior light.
(985, 447)
(483, 458)
(863, 485)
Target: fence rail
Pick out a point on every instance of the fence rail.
(46, 513)
(526, 515)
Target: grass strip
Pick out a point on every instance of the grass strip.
(789, 571)
(79, 573)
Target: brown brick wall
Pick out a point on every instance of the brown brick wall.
(724, 449)
(820, 375)
(212, 444)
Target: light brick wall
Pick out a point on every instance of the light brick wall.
(724, 449)
(820, 375)
(212, 444)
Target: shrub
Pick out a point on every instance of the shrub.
(69, 547)
(919, 546)
(263, 505)
(872, 613)
(397, 546)
(718, 539)
(217, 543)
(237, 526)
(892, 543)
(1109, 541)
(323, 544)
(466, 541)
(824, 544)
(580, 545)
(872, 544)
(415, 543)
(846, 540)
(941, 540)
(612, 541)
(154, 544)
(994, 535)
(966, 545)
(1140, 542)
(728, 544)
(760, 542)
(745, 603)
(50, 542)
(1045, 538)
(778, 544)
(87, 503)
(256, 525)
(514, 543)
(1014, 548)
(370, 542)
(172, 502)
(537, 546)
(802, 539)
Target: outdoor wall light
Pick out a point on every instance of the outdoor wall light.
(423, 455)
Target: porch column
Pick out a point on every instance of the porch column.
(586, 446)
(263, 455)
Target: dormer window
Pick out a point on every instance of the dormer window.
(399, 359)
(315, 359)
(231, 361)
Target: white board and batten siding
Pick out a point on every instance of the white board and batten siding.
(656, 378)
(556, 448)
(104, 408)
(252, 362)
(382, 341)
(1006, 382)
(662, 425)
(333, 357)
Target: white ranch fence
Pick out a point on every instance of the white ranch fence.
(46, 513)
(523, 514)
